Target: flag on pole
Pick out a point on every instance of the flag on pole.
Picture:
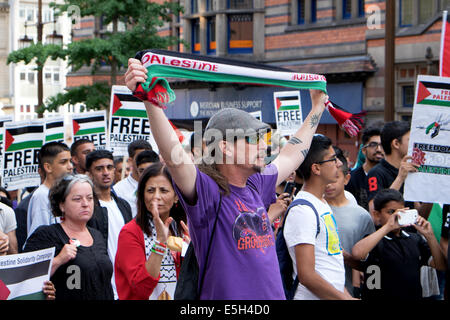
(444, 61)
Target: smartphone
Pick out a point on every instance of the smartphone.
(407, 217)
(289, 188)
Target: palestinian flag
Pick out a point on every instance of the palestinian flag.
(26, 136)
(91, 123)
(444, 61)
(54, 130)
(2, 125)
(288, 102)
(23, 275)
(433, 93)
(127, 105)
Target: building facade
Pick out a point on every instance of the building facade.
(341, 39)
(6, 94)
(23, 18)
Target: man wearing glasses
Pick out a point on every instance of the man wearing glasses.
(233, 184)
(312, 234)
(373, 152)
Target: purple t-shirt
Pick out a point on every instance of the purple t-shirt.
(243, 263)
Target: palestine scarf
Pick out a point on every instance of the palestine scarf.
(162, 64)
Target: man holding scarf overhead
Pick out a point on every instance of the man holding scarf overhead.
(242, 263)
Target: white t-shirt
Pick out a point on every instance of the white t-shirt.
(350, 197)
(8, 221)
(115, 224)
(39, 212)
(126, 189)
(301, 228)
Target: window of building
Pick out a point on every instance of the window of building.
(406, 13)
(196, 46)
(408, 96)
(210, 5)
(301, 12)
(361, 9)
(47, 15)
(22, 12)
(211, 35)
(313, 11)
(414, 12)
(445, 4)
(194, 6)
(346, 9)
(30, 15)
(47, 76)
(31, 77)
(426, 10)
(56, 75)
(240, 33)
(240, 4)
(352, 9)
(23, 76)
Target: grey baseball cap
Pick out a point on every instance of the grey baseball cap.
(235, 122)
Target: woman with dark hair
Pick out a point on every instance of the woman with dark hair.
(81, 268)
(145, 268)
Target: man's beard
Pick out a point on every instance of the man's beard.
(374, 160)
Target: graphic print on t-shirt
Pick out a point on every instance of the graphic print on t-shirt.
(333, 243)
(251, 230)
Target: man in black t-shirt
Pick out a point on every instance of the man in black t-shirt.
(373, 152)
(392, 171)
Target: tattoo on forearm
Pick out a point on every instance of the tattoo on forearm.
(295, 140)
(315, 119)
(305, 152)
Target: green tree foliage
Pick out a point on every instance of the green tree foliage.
(142, 18)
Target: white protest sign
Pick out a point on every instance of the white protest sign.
(288, 111)
(22, 276)
(128, 121)
(429, 142)
(22, 142)
(92, 126)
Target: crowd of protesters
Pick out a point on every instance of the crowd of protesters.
(127, 225)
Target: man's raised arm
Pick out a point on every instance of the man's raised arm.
(295, 151)
(179, 163)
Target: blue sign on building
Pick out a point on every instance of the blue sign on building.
(202, 103)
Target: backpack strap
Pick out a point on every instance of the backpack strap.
(298, 202)
(303, 202)
(200, 285)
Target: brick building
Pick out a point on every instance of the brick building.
(341, 39)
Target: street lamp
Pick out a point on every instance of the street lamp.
(53, 38)
(25, 41)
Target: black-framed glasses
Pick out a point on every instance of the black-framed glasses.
(329, 160)
(372, 145)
